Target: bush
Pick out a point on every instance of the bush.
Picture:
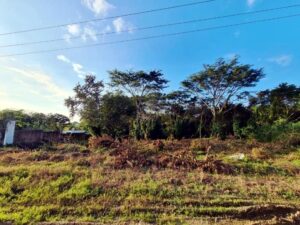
(281, 130)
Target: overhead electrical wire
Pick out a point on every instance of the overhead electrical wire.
(155, 36)
(159, 26)
(108, 18)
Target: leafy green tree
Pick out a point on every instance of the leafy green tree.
(50, 122)
(117, 113)
(23, 120)
(220, 84)
(282, 102)
(139, 85)
(87, 103)
(57, 122)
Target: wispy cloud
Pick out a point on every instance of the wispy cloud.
(85, 33)
(89, 32)
(40, 78)
(30, 88)
(121, 25)
(74, 29)
(282, 60)
(77, 68)
(63, 58)
(99, 7)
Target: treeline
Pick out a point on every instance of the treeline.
(213, 102)
(40, 121)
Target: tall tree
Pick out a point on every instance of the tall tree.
(57, 122)
(282, 102)
(140, 85)
(117, 112)
(221, 83)
(87, 103)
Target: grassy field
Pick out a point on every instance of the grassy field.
(167, 182)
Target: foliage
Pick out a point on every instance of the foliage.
(116, 113)
(282, 102)
(49, 122)
(148, 129)
(87, 102)
(211, 103)
(279, 130)
(140, 85)
(220, 84)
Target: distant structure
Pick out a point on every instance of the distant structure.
(9, 133)
(32, 138)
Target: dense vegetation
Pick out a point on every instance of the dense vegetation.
(215, 102)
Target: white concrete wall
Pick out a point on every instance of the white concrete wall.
(9, 133)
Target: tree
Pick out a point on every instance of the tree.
(23, 120)
(87, 103)
(282, 102)
(140, 85)
(220, 84)
(117, 112)
(57, 122)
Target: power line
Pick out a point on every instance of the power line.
(110, 17)
(155, 36)
(160, 25)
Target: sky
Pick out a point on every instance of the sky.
(41, 82)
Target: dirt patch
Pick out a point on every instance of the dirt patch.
(266, 212)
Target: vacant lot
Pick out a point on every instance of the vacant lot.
(158, 182)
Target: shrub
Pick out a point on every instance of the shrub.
(281, 130)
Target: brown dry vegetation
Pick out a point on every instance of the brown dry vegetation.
(152, 182)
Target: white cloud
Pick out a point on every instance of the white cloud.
(63, 58)
(121, 25)
(74, 29)
(250, 3)
(99, 7)
(282, 60)
(89, 32)
(77, 68)
(31, 88)
(85, 33)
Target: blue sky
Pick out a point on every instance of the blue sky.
(41, 82)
